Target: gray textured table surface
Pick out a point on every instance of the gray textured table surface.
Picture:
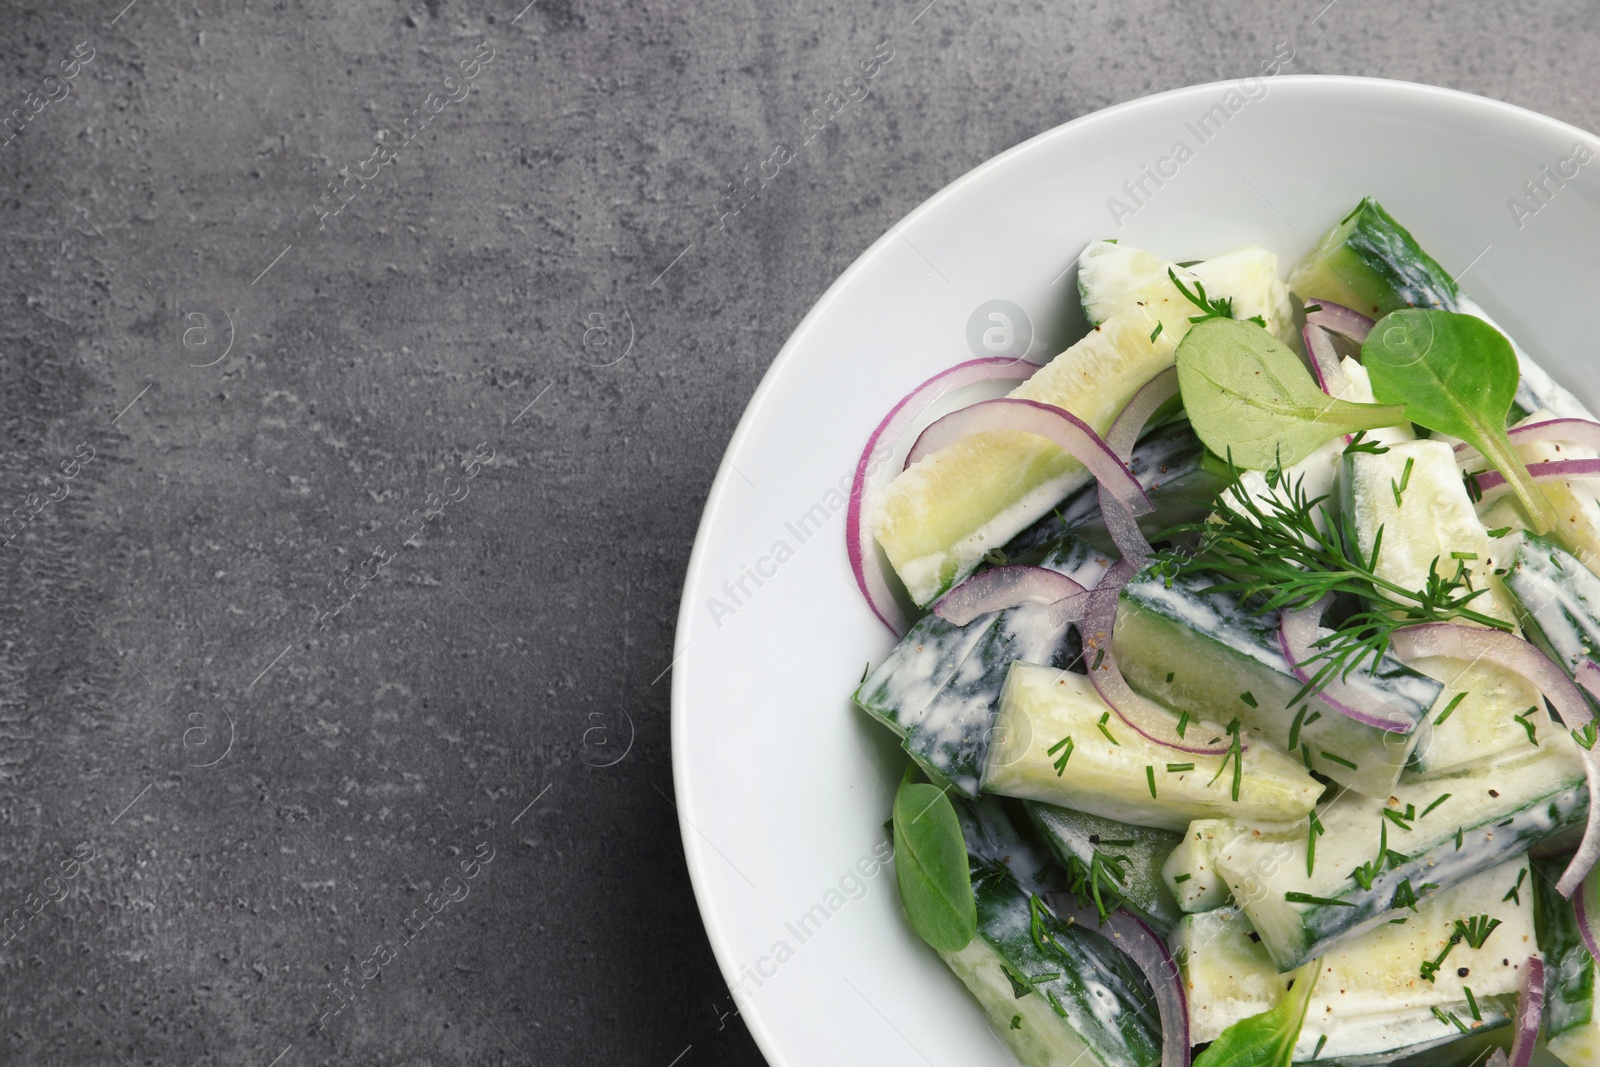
(247, 732)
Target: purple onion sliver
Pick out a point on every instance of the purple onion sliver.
(1580, 432)
(1125, 431)
(1539, 472)
(1339, 319)
(1123, 528)
(1530, 1010)
(864, 563)
(1324, 360)
(1582, 901)
(1144, 717)
(1516, 655)
(1004, 587)
(1134, 939)
(1056, 425)
(1297, 633)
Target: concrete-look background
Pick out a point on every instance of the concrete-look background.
(347, 530)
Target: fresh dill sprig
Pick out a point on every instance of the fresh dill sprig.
(1437, 801)
(1061, 760)
(1515, 892)
(1297, 897)
(1100, 881)
(1102, 724)
(1286, 552)
(1477, 929)
(1219, 308)
(1527, 724)
(1313, 832)
(1474, 931)
(1235, 753)
(1359, 443)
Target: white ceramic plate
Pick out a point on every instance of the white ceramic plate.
(783, 787)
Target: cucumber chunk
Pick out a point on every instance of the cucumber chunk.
(1114, 277)
(1559, 599)
(1571, 1016)
(939, 687)
(1433, 524)
(993, 828)
(938, 517)
(1206, 653)
(1072, 999)
(1371, 264)
(1371, 998)
(1131, 856)
(1190, 871)
(1495, 812)
(1109, 767)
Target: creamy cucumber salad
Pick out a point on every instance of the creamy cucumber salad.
(1249, 686)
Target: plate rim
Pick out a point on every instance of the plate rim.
(695, 857)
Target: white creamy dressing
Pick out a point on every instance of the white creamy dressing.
(1536, 389)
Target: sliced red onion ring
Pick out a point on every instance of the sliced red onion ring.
(870, 577)
(1009, 586)
(1149, 953)
(1339, 319)
(1124, 432)
(1586, 906)
(1297, 635)
(1497, 1058)
(1060, 427)
(1145, 717)
(1530, 1010)
(1324, 360)
(1563, 431)
(1516, 655)
(1543, 472)
(1123, 528)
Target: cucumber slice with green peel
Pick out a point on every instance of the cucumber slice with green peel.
(936, 520)
(1190, 870)
(1211, 655)
(1559, 600)
(1571, 1014)
(996, 832)
(1073, 999)
(939, 517)
(939, 688)
(1125, 859)
(1371, 264)
(1494, 812)
(1423, 1039)
(1414, 495)
(1114, 277)
(1371, 983)
(1169, 462)
(1113, 772)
